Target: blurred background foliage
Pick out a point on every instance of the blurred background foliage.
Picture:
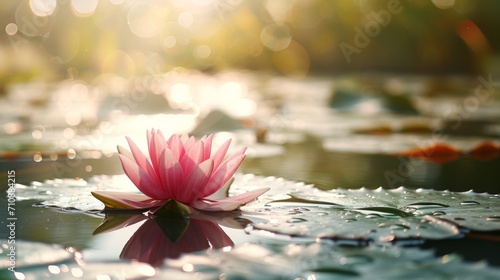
(51, 40)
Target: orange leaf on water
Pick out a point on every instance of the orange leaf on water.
(485, 151)
(437, 153)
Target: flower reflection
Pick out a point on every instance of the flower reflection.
(161, 237)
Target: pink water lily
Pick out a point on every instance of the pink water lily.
(182, 169)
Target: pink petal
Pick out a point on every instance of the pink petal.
(141, 159)
(192, 157)
(170, 172)
(207, 143)
(125, 152)
(239, 152)
(126, 201)
(221, 153)
(193, 185)
(222, 175)
(222, 192)
(184, 138)
(175, 144)
(188, 142)
(141, 179)
(229, 203)
(158, 145)
(161, 135)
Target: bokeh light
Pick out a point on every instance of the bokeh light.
(84, 8)
(43, 8)
(11, 29)
(146, 19)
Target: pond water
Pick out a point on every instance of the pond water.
(349, 196)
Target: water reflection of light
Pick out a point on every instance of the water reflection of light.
(203, 51)
(37, 157)
(77, 272)
(276, 37)
(185, 19)
(54, 269)
(147, 19)
(369, 107)
(83, 8)
(179, 94)
(19, 275)
(231, 90)
(278, 9)
(11, 29)
(169, 41)
(68, 133)
(241, 108)
(37, 134)
(188, 267)
(73, 118)
(71, 153)
(43, 8)
(12, 127)
(220, 137)
(443, 4)
(145, 269)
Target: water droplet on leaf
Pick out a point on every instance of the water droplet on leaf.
(426, 205)
(296, 220)
(469, 202)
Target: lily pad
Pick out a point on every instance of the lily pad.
(297, 209)
(470, 210)
(357, 227)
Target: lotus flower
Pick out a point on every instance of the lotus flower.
(179, 169)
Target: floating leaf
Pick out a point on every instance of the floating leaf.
(358, 227)
(378, 216)
(485, 151)
(475, 211)
(438, 153)
(423, 146)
